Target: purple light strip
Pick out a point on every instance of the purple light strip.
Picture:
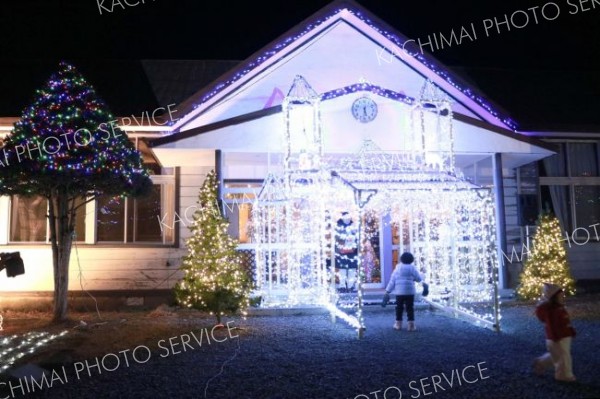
(370, 88)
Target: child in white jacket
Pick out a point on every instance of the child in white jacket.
(402, 284)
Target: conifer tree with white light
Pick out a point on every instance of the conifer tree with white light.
(547, 261)
(214, 278)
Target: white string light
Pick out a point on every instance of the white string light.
(26, 344)
(449, 222)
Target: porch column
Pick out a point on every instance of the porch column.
(219, 178)
(385, 249)
(500, 217)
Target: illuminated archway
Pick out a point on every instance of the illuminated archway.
(449, 222)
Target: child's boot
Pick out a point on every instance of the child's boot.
(398, 325)
(411, 326)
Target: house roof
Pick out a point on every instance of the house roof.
(174, 81)
(303, 30)
(540, 100)
(327, 96)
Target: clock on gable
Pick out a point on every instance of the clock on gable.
(364, 109)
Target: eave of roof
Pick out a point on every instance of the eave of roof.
(303, 28)
(333, 94)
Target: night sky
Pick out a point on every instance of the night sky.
(37, 33)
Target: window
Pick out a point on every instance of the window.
(480, 173)
(555, 165)
(237, 199)
(570, 184)
(583, 160)
(557, 199)
(587, 205)
(136, 220)
(117, 220)
(573, 159)
(28, 221)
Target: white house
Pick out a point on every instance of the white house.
(236, 126)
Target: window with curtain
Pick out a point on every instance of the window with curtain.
(555, 165)
(583, 160)
(570, 187)
(557, 199)
(28, 221)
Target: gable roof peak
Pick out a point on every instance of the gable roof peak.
(308, 30)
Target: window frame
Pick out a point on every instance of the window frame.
(571, 182)
(168, 201)
(9, 217)
(254, 188)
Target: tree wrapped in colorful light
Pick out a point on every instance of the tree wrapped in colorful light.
(67, 148)
(547, 261)
(214, 278)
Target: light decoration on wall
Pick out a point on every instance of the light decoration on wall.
(15, 347)
(303, 141)
(371, 88)
(397, 39)
(449, 223)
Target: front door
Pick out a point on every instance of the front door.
(372, 251)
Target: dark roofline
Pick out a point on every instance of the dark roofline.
(273, 47)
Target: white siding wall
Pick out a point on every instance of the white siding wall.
(102, 268)
(513, 230)
(191, 179)
(112, 267)
(513, 264)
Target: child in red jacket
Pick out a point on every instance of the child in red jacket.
(559, 333)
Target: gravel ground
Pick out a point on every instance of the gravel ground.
(311, 357)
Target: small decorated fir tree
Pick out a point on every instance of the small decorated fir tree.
(547, 261)
(214, 279)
